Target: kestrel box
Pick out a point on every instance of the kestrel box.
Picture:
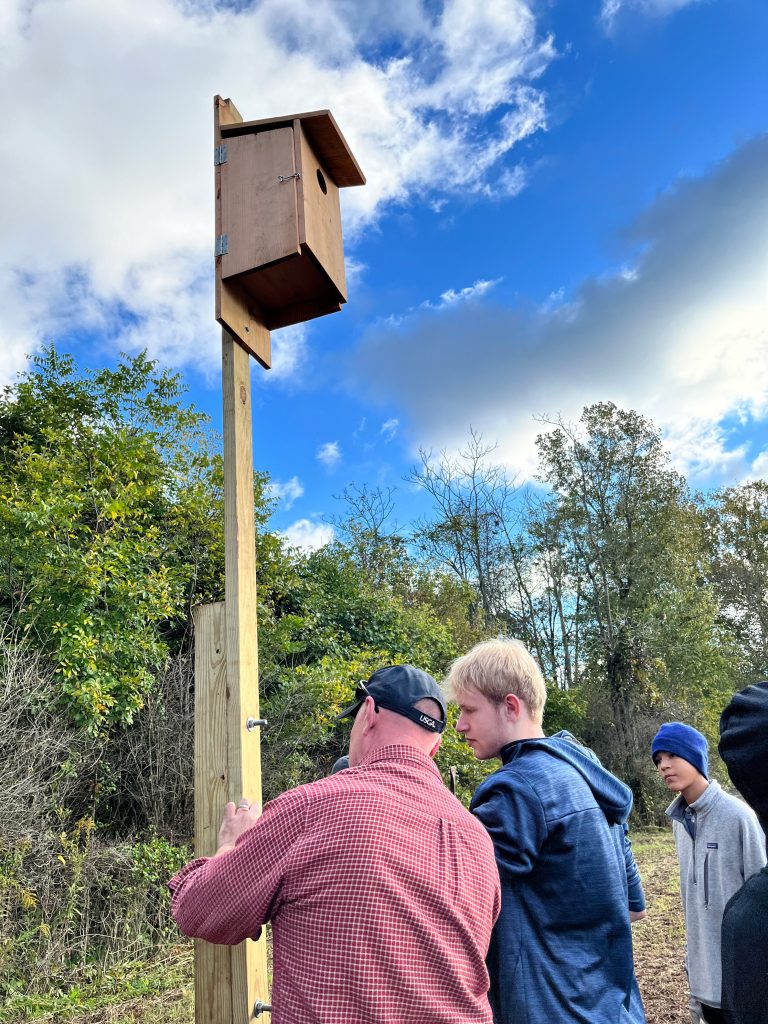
(279, 248)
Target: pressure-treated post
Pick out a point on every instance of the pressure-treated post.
(213, 970)
(228, 981)
(249, 961)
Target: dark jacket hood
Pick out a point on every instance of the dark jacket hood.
(744, 746)
(612, 796)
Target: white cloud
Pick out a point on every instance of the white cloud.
(487, 47)
(289, 347)
(759, 468)
(449, 298)
(511, 181)
(354, 270)
(700, 448)
(555, 300)
(308, 535)
(611, 9)
(389, 428)
(287, 492)
(108, 220)
(474, 291)
(683, 338)
(329, 454)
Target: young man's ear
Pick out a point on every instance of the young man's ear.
(512, 706)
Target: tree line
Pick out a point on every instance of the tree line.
(642, 600)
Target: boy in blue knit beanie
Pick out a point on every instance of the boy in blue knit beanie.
(719, 846)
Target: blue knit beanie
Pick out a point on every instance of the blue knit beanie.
(686, 742)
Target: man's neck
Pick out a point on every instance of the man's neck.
(530, 731)
(422, 745)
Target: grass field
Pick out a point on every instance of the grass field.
(660, 939)
(659, 942)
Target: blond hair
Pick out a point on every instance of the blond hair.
(495, 668)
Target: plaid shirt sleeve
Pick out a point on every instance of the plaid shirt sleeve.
(227, 899)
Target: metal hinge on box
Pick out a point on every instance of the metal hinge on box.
(220, 154)
(222, 245)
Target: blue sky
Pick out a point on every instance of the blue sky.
(567, 202)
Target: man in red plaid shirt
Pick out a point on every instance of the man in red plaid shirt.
(382, 890)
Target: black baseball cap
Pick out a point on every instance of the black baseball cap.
(398, 688)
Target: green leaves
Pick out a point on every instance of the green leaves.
(111, 529)
(105, 524)
(643, 619)
(737, 531)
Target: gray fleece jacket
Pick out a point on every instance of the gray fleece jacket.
(727, 847)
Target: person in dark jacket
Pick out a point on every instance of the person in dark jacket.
(561, 949)
(719, 846)
(744, 748)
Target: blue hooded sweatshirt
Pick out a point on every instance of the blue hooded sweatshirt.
(562, 946)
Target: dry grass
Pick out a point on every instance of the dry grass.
(659, 942)
(660, 939)
(175, 1006)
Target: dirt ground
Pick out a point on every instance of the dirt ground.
(659, 940)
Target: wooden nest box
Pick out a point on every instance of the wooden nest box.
(279, 248)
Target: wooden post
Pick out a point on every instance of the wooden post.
(249, 961)
(227, 756)
(213, 991)
(228, 981)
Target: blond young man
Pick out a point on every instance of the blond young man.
(561, 949)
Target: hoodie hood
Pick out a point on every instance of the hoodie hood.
(744, 746)
(613, 798)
